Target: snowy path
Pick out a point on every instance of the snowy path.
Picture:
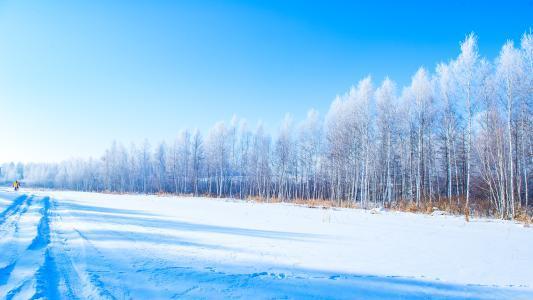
(66, 245)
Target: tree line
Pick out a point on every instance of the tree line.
(459, 134)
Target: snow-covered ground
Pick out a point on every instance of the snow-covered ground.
(57, 245)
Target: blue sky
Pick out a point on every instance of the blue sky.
(75, 75)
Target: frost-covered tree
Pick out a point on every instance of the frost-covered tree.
(509, 73)
(466, 74)
(387, 120)
(458, 135)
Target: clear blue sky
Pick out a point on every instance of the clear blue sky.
(75, 75)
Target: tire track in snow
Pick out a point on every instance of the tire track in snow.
(92, 274)
(9, 223)
(78, 280)
(57, 276)
(130, 267)
(43, 230)
(35, 267)
(12, 209)
(143, 274)
(5, 272)
(11, 250)
(16, 275)
(21, 213)
(47, 279)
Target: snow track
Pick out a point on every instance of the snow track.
(12, 209)
(80, 246)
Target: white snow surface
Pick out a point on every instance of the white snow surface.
(73, 245)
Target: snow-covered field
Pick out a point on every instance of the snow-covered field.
(70, 245)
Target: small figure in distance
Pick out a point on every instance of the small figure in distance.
(16, 185)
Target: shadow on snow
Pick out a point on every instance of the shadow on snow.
(138, 218)
(221, 279)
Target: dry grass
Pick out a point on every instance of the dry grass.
(314, 203)
(321, 203)
(263, 200)
(523, 217)
(456, 206)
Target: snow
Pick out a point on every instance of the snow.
(56, 244)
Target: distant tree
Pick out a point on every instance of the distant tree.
(462, 132)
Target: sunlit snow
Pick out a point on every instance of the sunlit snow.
(57, 245)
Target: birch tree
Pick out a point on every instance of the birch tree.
(465, 69)
(509, 71)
